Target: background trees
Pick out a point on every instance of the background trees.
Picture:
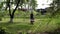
(8, 5)
(1, 12)
(55, 7)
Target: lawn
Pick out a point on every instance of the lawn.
(22, 23)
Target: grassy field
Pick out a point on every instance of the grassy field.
(41, 24)
(20, 24)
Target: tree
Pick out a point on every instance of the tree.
(55, 9)
(11, 13)
(55, 6)
(1, 5)
(33, 4)
(16, 3)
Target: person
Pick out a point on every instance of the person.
(31, 18)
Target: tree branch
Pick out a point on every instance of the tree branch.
(16, 7)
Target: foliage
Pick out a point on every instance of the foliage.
(33, 4)
(2, 30)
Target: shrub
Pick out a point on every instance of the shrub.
(3, 30)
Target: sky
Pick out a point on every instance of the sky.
(0, 0)
(41, 3)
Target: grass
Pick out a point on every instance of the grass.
(22, 23)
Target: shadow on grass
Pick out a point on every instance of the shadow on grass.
(57, 31)
(16, 26)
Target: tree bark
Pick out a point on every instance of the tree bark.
(11, 18)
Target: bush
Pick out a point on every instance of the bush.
(3, 30)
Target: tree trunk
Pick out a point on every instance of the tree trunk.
(12, 14)
(21, 7)
(11, 18)
(28, 8)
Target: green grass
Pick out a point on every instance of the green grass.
(21, 24)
